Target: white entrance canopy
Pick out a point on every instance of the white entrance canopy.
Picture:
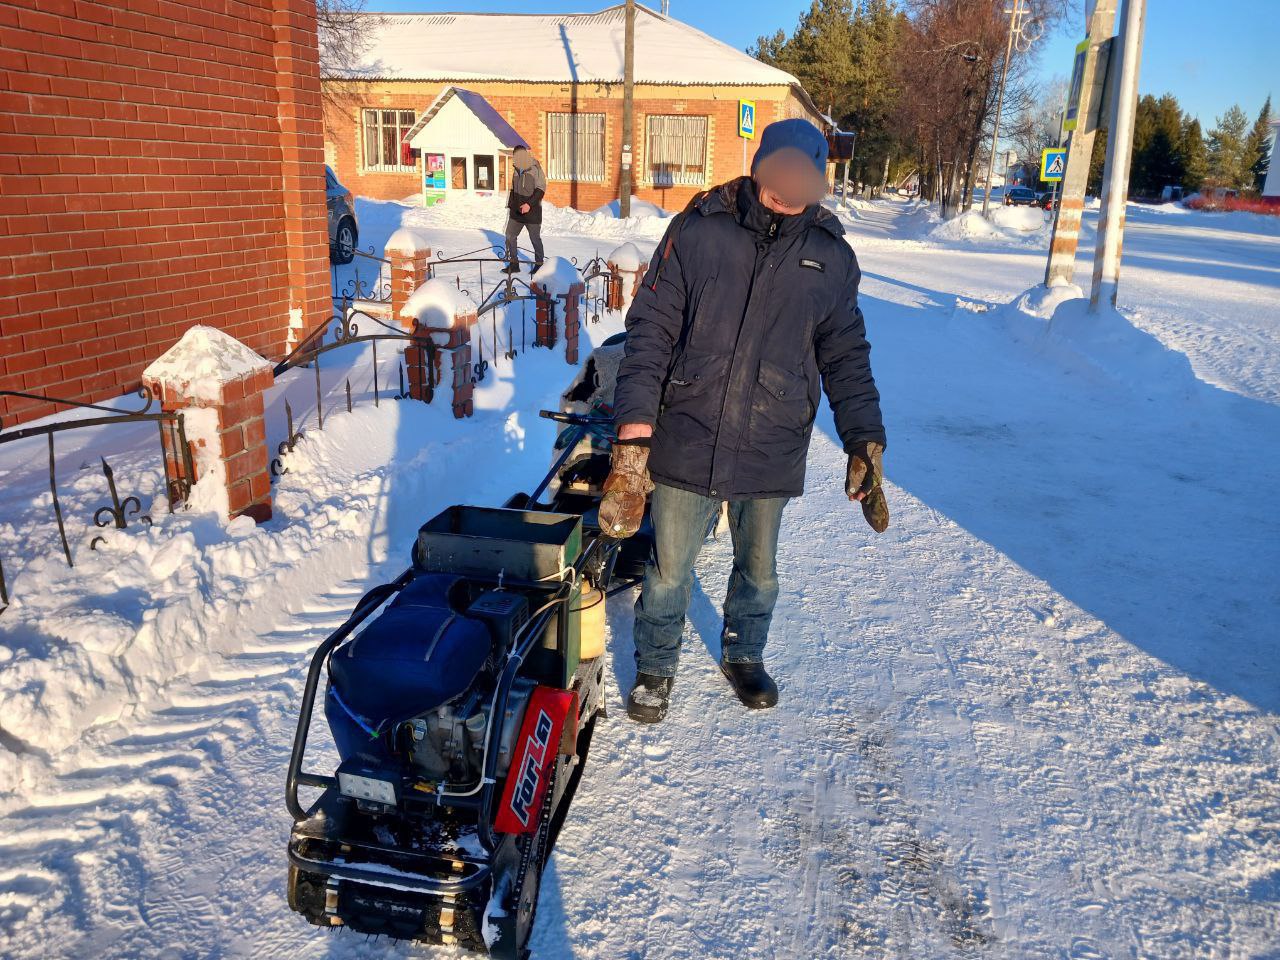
(463, 120)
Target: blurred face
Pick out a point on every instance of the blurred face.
(522, 159)
(787, 182)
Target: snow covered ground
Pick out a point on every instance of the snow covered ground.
(1037, 718)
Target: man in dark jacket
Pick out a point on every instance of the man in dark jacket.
(749, 309)
(524, 207)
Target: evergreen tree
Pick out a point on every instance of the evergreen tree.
(1144, 128)
(1257, 151)
(1157, 160)
(1227, 165)
(1193, 155)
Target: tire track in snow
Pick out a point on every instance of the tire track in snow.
(85, 831)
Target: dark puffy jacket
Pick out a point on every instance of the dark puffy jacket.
(742, 317)
(527, 186)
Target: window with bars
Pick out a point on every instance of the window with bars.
(676, 150)
(575, 147)
(384, 146)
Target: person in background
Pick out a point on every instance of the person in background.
(524, 207)
(749, 311)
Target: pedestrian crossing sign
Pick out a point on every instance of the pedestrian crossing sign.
(747, 119)
(1053, 164)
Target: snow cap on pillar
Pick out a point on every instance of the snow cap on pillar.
(218, 384)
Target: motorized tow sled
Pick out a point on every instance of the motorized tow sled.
(462, 713)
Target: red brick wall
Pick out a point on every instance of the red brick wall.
(525, 106)
(161, 165)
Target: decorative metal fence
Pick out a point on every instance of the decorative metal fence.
(508, 310)
(346, 328)
(175, 454)
(368, 282)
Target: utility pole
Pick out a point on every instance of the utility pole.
(1115, 185)
(1014, 16)
(1061, 268)
(628, 105)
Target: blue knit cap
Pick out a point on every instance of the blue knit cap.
(801, 134)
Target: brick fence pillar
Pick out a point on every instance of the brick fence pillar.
(626, 268)
(410, 256)
(441, 337)
(218, 384)
(544, 317)
(613, 292)
(572, 321)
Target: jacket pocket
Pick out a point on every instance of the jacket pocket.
(691, 376)
(789, 389)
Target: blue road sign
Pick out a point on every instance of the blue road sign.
(747, 119)
(1053, 164)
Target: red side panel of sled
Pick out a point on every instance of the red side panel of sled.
(541, 739)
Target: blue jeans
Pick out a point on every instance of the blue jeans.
(681, 522)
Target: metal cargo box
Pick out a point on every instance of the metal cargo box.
(488, 541)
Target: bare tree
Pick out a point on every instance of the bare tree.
(1037, 124)
(954, 54)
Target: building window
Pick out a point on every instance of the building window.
(384, 146)
(484, 171)
(676, 151)
(575, 146)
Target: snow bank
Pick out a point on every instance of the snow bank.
(202, 360)
(640, 209)
(626, 257)
(556, 276)
(1107, 345)
(436, 303)
(1041, 301)
(407, 239)
(1021, 225)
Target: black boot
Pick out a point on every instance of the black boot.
(751, 683)
(649, 698)
(537, 265)
(511, 267)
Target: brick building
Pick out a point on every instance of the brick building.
(557, 81)
(161, 165)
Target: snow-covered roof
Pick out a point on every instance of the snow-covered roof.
(550, 48)
(484, 112)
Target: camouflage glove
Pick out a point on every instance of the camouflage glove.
(622, 508)
(865, 482)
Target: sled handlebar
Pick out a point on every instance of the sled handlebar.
(578, 419)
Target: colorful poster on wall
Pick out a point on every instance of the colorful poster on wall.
(433, 178)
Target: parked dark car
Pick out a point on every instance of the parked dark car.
(1045, 199)
(1020, 197)
(344, 231)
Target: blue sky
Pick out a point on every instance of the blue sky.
(1208, 55)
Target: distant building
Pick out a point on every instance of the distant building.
(438, 99)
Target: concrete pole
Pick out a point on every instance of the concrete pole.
(995, 132)
(1061, 268)
(628, 107)
(1115, 185)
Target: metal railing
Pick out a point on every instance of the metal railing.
(174, 451)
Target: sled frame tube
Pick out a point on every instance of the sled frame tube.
(434, 886)
(368, 604)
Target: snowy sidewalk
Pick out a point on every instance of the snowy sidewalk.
(1037, 718)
